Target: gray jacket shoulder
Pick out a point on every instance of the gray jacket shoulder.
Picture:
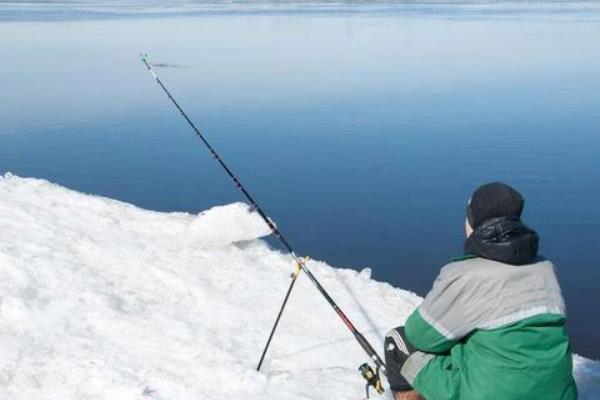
(482, 267)
(478, 293)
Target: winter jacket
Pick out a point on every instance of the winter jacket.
(493, 326)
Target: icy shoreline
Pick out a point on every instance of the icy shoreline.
(102, 300)
(49, 10)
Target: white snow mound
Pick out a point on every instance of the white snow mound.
(103, 300)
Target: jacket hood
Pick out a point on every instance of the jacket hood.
(505, 239)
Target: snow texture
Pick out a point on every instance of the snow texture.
(102, 300)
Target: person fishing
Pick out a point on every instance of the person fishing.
(493, 325)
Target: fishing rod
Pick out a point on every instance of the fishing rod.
(372, 377)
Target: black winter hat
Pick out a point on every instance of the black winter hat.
(493, 200)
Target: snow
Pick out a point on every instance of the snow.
(100, 299)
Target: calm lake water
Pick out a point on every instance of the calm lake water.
(361, 129)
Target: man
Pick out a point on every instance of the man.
(493, 325)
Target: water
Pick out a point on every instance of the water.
(362, 129)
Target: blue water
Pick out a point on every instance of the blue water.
(361, 129)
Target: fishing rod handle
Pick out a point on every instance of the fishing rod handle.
(364, 343)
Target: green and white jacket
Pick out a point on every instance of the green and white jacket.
(491, 330)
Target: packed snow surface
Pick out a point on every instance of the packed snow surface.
(102, 300)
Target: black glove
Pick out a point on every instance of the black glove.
(397, 349)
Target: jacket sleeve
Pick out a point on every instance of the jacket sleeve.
(424, 336)
(446, 315)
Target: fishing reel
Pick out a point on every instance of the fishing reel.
(372, 377)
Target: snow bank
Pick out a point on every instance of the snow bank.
(103, 300)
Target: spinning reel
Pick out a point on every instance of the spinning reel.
(373, 378)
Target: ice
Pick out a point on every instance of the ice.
(103, 300)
